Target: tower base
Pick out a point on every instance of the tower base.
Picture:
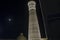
(44, 38)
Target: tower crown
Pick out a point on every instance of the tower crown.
(31, 5)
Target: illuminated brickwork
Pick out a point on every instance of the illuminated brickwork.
(33, 28)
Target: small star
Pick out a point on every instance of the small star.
(9, 19)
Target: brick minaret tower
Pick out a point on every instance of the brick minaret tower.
(33, 28)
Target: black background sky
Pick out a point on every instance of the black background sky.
(18, 12)
(14, 9)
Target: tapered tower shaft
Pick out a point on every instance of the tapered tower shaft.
(33, 29)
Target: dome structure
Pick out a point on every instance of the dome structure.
(21, 37)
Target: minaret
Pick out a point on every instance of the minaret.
(33, 28)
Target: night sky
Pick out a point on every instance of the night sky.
(16, 11)
(14, 18)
